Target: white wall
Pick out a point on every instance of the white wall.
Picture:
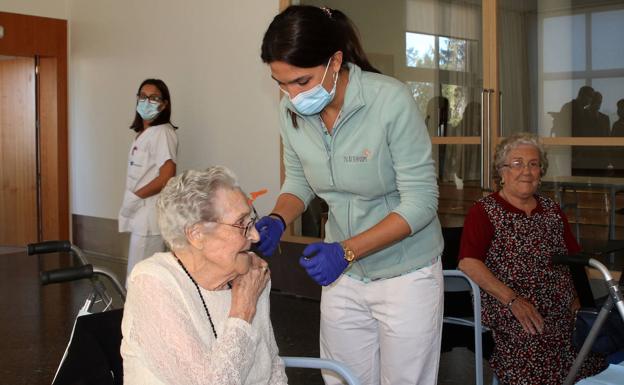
(222, 96)
(56, 9)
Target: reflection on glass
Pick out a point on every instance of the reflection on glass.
(458, 99)
(459, 163)
(562, 75)
(612, 89)
(422, 92)
(435, 47)
(607, 29)
(618, 126)
(452, 53)
(564, 43)
(556, 94)
(459, 183)
(590, 200)
(420, 50)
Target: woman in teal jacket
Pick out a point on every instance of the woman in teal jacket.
(354, 138)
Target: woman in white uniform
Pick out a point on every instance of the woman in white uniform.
(151, 163)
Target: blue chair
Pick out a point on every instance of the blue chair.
(321, 363)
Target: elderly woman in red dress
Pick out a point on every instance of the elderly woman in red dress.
(507, 246)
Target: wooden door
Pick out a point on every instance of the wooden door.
(18, 146)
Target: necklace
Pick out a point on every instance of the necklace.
(214, 331)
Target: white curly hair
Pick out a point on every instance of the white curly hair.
(188, 199)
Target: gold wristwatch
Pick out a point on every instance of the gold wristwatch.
(349, 255)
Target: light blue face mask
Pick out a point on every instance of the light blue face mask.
(147, 110)
(313, 101)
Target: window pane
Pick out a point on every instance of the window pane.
(612, 90)
(607, 31)
(452, 54)
(564, 43)
(459, 163)
(556, 94)
(586, 188)
(458, 100)
(420, 50)
(422, 92)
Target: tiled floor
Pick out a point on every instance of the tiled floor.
(36, 321)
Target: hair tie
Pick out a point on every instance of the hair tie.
(327, 11)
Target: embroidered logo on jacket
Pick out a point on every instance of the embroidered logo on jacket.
(363, 158)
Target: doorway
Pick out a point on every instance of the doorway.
(19, 208)
(46, 216)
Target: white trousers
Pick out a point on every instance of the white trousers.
(141, 247)
(387, 331)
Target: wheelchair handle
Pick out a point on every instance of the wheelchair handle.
(66, 275)
(48, 247)
(578, 259)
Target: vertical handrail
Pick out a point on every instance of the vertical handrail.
(500, 114)
(482, 139)
(486, 139)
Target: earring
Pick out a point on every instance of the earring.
(502, 182)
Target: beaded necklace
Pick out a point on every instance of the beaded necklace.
(214, 331)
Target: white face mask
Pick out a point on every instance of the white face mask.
(313, 101)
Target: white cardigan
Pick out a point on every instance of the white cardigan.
(167, 338)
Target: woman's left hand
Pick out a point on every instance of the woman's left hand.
(324, 262)
(528, 316)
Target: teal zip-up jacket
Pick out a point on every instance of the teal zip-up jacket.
(377, 161)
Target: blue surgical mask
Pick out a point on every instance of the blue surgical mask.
(313, 101)
(147, 110)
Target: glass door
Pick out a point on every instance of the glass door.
(561, 76)
(482, 70)
(436, 48)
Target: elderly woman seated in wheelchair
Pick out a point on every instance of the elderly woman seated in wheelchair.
(507, 246)
(200, 313)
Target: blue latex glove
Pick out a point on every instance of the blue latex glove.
(324, 262)
(270, 230)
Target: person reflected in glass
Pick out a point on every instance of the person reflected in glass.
(462, 160)
(151, 163)
(617, 153)
(437, 122)
(355, 138)
(618, 126)
(573, 118)
(437, 116)
(508, 242)
(199, 314)
(597, 159)
(599, 122)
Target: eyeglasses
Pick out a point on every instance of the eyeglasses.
(154, 99)
(253, 218)
(518, 165)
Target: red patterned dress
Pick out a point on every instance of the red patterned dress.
(518, 249)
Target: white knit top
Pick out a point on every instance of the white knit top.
(167, 338)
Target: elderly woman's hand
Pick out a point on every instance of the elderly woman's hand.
(246, 289)
(528, 316)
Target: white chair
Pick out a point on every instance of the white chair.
(321, 363)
